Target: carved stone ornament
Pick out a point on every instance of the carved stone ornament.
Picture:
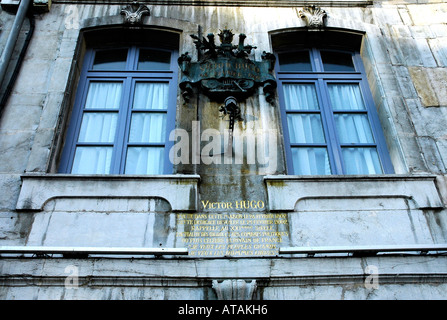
(226, 70)
(133, 13)
(234, 289)
(314, 16)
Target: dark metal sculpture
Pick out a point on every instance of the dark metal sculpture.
(231, 109)
(226, 70)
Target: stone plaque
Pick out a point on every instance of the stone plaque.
(232, 229)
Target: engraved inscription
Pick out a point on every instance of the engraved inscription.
(224, 233)
(239, 204)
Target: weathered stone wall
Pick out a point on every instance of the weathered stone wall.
(405, 57)
(418, 278)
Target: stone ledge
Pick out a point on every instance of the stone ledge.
(285, 192)
(37, 189)
(237, 3)
(199, 272)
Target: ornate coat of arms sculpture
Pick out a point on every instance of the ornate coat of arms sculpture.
(226, 70)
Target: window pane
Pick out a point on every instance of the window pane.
(361, 161)
(300, 97)
(154, 60)
(144, 160)
(295, 61)
(110, 60)
(305, 128)
(310, 161)
(151, 96)
(337, 61)
(148, 127)
(98, 127)
(346, 97)
(104, 95)
(353, 128)
(92, 160)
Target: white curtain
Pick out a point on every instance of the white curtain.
(151, 95)
(92, 160)
(98, 127)
(104, 95)
(306, 128)
(361, 161)
(310, 161)
(144, 160)
(101, 126)
(148, 128)
(346, 97)
(300, 96)
(353, 128)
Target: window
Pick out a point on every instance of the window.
(329, 118)
(124, 111)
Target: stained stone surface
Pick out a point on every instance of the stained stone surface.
(404, 53)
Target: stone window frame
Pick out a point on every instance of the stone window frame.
(369, 39)
(129, 78)
(69, 66)
(41, 184)
(321, 79)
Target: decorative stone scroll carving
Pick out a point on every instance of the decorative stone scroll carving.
(133, 13)
(234, 289)
(226, 69)
(314, 16)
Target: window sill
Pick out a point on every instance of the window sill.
(285, 192)
(180, 191)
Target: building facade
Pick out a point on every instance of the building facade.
(211, 150)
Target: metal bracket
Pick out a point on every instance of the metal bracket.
(232, 109)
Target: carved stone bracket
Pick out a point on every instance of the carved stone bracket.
(314, 16)
(234, 289)
(133, 13)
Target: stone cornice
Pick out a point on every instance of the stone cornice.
(233, 3)
(276, 272)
